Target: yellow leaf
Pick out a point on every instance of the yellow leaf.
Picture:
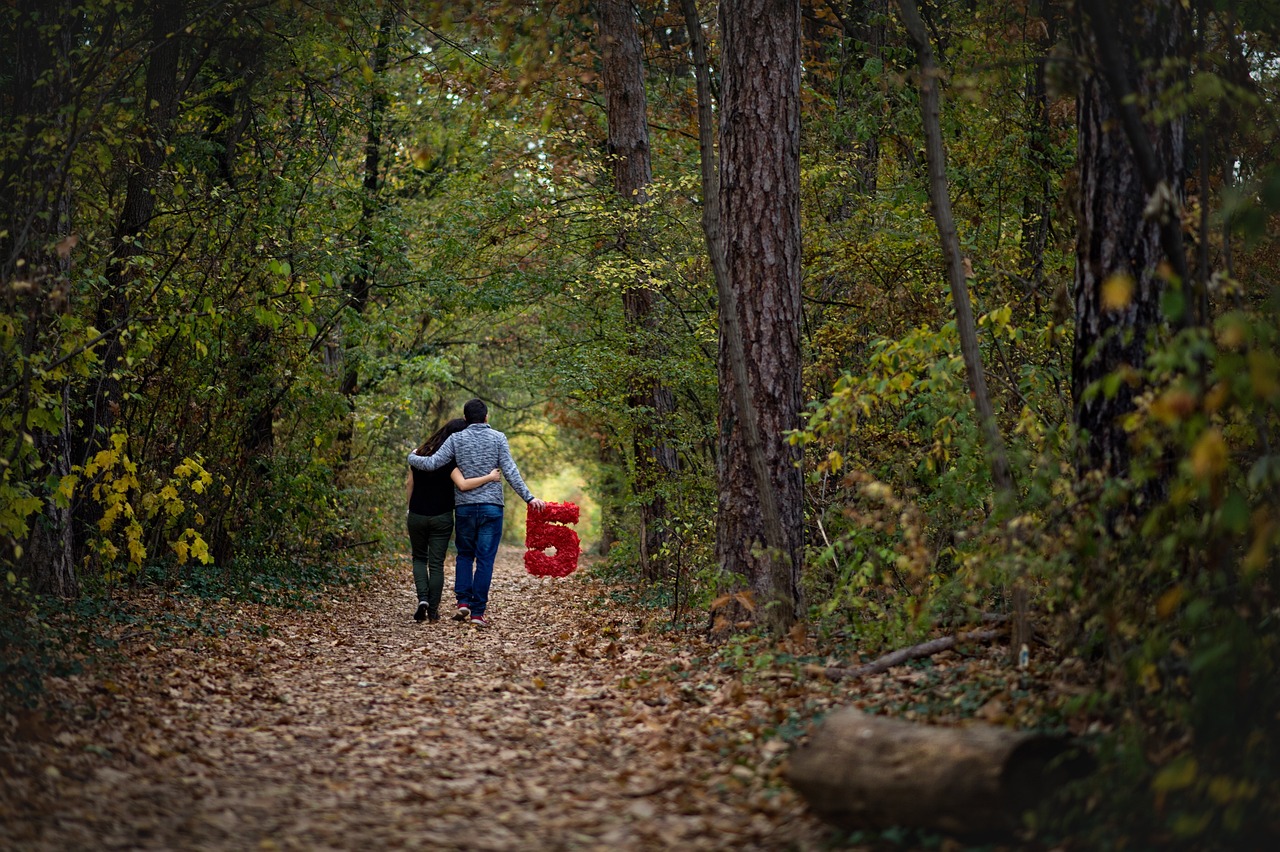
(1117, 291)
(1232, 334)
(1217, 397)
(67, 485)
(1172, 406)
(1259, 552)
(1178, 775)
(1149, 677)
(137, 553)
(1209, 455)
(1168, 602)
(1264, 373)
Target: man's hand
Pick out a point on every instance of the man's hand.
(538, 504)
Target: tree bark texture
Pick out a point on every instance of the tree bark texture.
(860, 771)
(760, 305)
(1116, 242)
(651, 402)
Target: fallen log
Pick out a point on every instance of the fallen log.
(860, 771)
(903, 655)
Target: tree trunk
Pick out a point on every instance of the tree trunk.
(361, 283)
(139, 205)
(1118, 285)
(860, 771)
(756, 253)
(869, 29)
(96, 421)
(940, 197)
(651, 402)
(858, 40)
(35, 281)
(1037, 203)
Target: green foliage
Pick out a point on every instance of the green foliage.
(1182, 590)
(223, 400)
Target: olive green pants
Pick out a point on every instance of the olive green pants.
(429, 539)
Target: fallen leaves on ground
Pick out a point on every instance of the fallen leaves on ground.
(573, 723)
(569, 724)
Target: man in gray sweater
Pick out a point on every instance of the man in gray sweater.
(478, 512)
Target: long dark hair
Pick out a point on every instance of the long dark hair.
(432, 444)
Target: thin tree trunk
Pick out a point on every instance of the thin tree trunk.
(622, 74)
(940, 197)
(35, 280)
(96, 420)
(1037, 204)
(139, 205)
(361, 283)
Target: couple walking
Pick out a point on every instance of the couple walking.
(457, 473)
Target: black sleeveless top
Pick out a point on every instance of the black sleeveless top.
(432, 491)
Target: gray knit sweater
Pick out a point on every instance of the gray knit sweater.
(477, 450)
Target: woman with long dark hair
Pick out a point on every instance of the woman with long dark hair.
(431, 519)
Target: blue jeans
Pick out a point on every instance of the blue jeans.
(477, 532)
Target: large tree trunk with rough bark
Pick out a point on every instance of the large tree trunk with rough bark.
(1118, 282)
(651, 402)
(760, 522)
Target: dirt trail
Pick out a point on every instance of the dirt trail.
(566, 725)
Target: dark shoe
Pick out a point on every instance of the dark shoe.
(422, 611)
(463, 613)
(433, 617)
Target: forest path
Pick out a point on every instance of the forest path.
(566, 725)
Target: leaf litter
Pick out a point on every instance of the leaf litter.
(575, 722)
